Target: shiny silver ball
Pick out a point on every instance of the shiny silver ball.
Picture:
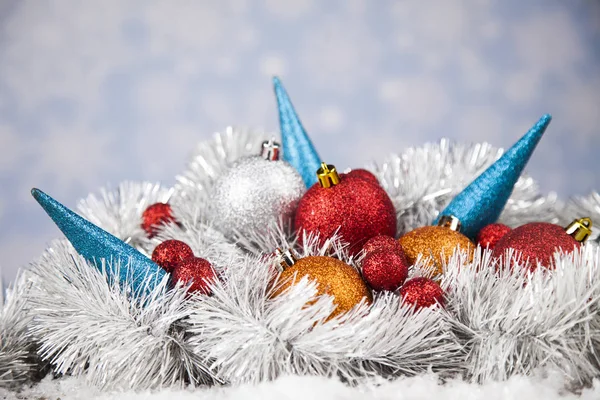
(255, 193)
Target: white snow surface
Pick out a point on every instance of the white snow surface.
(426, 386)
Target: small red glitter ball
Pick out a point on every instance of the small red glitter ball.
(363, 174)
(490, 234)
(422, 292)
(385, 270)
(195, 269)
(383, 242)
(357, 207)
(536, 242)
(154, 216)
(170, 253)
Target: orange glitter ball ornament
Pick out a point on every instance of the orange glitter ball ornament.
(435, 243)
(333, 277)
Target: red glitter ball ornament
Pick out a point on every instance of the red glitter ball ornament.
(195, 269)
(383, 242)
(170, 253)
(154, 216)
(385, 270)
(422, 292)
(536, 242)
(364, 175)
(490, 234)
(357, 207)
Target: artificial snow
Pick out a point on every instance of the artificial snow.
(309, 387)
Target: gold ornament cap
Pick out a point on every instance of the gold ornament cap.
(286, 258)
(450, 221)
(327, 175)
(580, 229)
(270, 150)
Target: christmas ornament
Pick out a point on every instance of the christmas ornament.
(422, 292)
(156, 215)
(355, 208)
(196, 270)
(382, 242)
(363, 174)
(256, 192)
(535, 243)
(482, 202)
(489, 235)
(96, 244)
(298, 150)
(436, 244)
(333, 277)
(170, 253)
(384, 270)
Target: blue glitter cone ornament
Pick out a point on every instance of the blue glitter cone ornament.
(482, 202)
(94, 243)
(298, 150)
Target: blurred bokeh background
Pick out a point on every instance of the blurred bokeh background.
(96, 92)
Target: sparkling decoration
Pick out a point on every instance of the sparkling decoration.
(535, 243)
(238, 310)
(95, 244)
(435, 243)
(384, 270)
(196, 270)
(382, 242)
(489, 235)
(298, 150)
(211, 159)
(482, 202)
(170, 253)
(363, 174)
(421, 181)
(355, 208)
(422, 292)
(253, 194)
(155, 216)
(333, 277)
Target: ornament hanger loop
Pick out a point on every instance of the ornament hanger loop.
(286, 258)
(327, 175)
(580, 229)
(270, 150)
(450, 221)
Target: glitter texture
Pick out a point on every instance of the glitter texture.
(333, 277)
(363, 174)
(536, 242)
(482, 202)
(491, 234)
(170, 253)
(422, 292)
(298, 150)
(383, 242)
(358, 208)
(253, 194)
(154, 216)
(384, 270)
(436, 242)
(196, 270)
(95, 244)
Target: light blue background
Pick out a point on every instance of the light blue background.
(93, 92)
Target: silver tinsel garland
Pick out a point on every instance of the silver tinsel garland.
(495, 323)
(16, 360)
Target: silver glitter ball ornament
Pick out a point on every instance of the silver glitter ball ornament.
(255, 193)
